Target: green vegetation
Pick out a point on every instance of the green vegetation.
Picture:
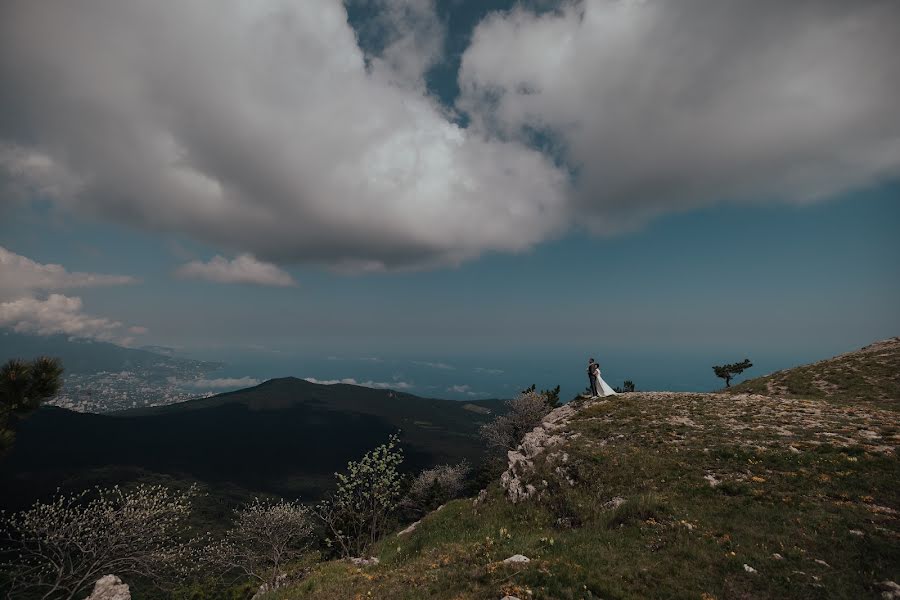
(24, 385)
(673, 495)
(646, 495)
(870, 375)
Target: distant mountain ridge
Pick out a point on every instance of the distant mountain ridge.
(285, 436)
(85, 356)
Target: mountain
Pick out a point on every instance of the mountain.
(870, 374)
(103, 377)
(83, 356)
(672, 495)
(285, 436)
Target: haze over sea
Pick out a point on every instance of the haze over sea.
(501, 374)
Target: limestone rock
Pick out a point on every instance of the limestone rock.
(280, 581)
(110, 587)
(516, 558)
(409, 529)
(364, 562)
(891, 590)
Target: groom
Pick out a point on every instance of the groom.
(590, 372)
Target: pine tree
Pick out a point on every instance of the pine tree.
(727, 372)
(24, 385)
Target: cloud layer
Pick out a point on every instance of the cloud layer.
(242, 269)
(19, 274)
(263, 128)
(258, 128)
(663, 106)
(23, 309)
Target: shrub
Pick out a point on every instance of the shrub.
(435, 486)
(266, 536)
(61, 548)
(525, 413)
(358, 513)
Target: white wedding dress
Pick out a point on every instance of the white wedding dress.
(603, 388)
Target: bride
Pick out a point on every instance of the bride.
(603, 388)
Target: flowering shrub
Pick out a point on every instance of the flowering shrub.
(433, 487)
(359, 511)
(266, 536)
(60, 548)
(525, 413)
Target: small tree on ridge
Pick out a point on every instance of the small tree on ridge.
(727, 372)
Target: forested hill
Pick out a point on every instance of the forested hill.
(286, 436)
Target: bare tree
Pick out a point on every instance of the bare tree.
(367, 494)
(525, 413)
(59, 549)
(266, 536)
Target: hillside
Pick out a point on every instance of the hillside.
(285, 436)
(668, 495)
(871, 374)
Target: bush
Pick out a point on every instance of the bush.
(266, 536)
(359, 511)
(436, 486)
(525, 413)
(61, 548)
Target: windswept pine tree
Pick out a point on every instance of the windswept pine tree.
(728, 372)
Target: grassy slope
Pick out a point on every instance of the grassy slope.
(813, 481)
(871, 374)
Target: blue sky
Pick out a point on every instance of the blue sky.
(655, 246)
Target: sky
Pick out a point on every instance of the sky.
(454, 197)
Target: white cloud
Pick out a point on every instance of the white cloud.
(57, 314)
(24, 311)
(258, 128)
(264, 129)
(19, 274)
(382, 385)
(409, 37)
(459, 389)
(663, 106)
(242, 269)
(435, 365)
(489, 371)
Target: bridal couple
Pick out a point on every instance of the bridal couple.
(599, 388)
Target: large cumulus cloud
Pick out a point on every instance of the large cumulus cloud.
(259, 128)
(262, 129)
(659, 106)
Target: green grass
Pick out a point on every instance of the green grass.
(870, 375)
(675, 535)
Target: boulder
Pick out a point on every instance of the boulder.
(110, 587)
(516, 558)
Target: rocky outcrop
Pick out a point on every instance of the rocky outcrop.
(520, 462)
(110, 587)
